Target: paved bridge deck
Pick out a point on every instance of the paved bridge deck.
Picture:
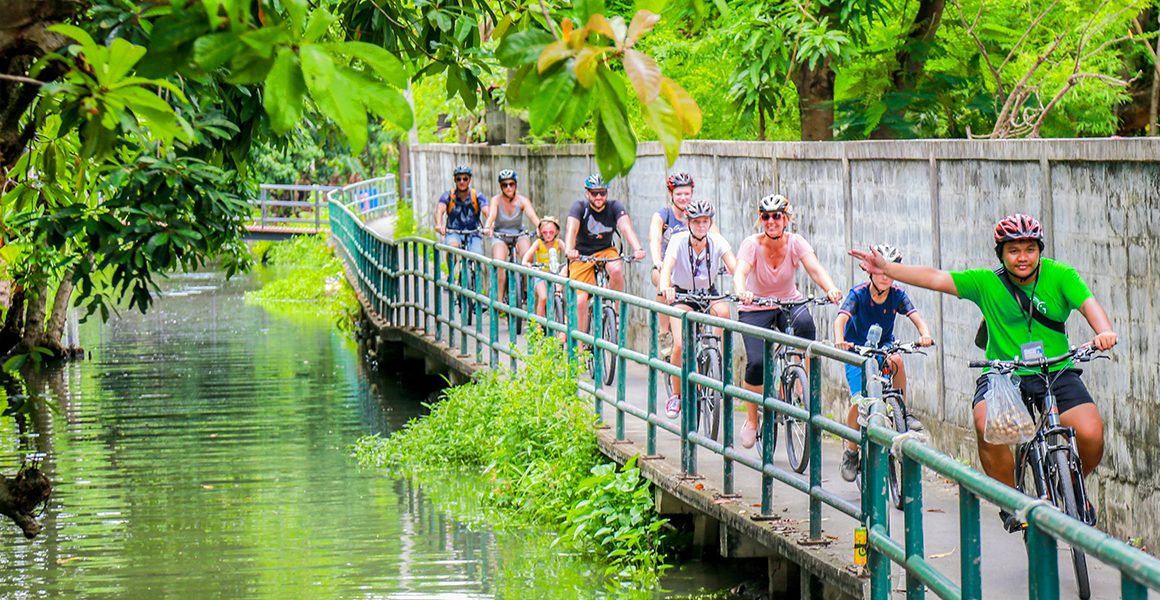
(1004, 556)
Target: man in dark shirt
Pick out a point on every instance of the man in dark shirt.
(592, 223)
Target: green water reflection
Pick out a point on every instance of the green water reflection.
(202, 452)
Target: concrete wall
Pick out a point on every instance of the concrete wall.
(937, 201)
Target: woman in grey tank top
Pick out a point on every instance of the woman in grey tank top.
(505, 221)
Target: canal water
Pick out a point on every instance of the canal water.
(202, 451)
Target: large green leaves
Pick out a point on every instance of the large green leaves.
(285, 92)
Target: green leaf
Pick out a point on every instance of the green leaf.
(522, 47)
(75, 33)
(586, 8)
(341, 104)
(379, 59)
(285, 92)
(320, 21)
(297, 10)
(575, 111)
(121, 58)
(212, 51)
(554, 92)
(613, 119)
(644, 73)
(663, 120)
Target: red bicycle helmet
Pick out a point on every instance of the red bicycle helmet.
(1017, 227)
(677, 180)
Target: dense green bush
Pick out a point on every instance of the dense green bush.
(533, 439)
(310, 280)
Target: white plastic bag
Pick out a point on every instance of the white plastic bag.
(1008, 421)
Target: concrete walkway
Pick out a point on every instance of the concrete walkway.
(1004, 556)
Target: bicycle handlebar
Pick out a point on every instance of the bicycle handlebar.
(766, 301)
(702, 296)
(463, 231)
(602, 259)
(1076, 354)
(891, 348)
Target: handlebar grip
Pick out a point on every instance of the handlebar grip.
(975, 364)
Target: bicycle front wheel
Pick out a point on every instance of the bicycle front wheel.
(894, 464)
(609, 332)
(1068, 501)
(709, 399)
(794, 391)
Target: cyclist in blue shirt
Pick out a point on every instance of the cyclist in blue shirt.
(460, 210)
(875, 302)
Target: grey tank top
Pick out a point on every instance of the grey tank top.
(509, 223)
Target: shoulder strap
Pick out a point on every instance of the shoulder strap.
(474, 200)
(1025, 303)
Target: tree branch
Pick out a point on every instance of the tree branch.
(21, 79)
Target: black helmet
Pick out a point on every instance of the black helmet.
(677, 180)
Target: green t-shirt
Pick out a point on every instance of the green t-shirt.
(1060, 290)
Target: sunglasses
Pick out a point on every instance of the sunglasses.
(463, 178)
(598, 193)
(776, 216)
(507, 184)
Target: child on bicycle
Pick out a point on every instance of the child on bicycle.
(875, 302)
(539, 255)
(1054, 289)
(692, 259)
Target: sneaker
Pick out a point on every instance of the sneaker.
(748, 434)
(673, 406)
(1011, 523)
(850, 464)
(912, 423)
(665, 343)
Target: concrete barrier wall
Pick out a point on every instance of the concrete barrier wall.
(937, 201)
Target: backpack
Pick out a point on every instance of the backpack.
(474, 201)
(1024, 303)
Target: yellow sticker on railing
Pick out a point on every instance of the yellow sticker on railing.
(860, 546)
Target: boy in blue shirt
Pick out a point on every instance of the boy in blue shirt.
(875, 302)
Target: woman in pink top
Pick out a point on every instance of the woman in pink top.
(766, 265)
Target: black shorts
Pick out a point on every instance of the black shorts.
(696, 305)
(777, 318)
(1068, 388)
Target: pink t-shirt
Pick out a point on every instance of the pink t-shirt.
(773, 281)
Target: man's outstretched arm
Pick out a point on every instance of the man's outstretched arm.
(922, 276)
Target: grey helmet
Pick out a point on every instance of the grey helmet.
(699, 208)
(462, 170)
(890, 253)
(774, 203)
(507, 174)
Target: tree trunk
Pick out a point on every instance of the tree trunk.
(1154, 105)
(13, 324)
(760, 124)
(911, 58)
(21, 495)
(24, 38)
(54, 331)
(815, 87)
(34, 315)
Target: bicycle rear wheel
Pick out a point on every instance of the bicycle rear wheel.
(1068, 501)
(610, 332)
(708, 399)
(794, 386)
(894, 465)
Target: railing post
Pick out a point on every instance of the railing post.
(594, 325)
(1130, 589)
(970, 561)
(1042, 562)
(815, 440)
(768, 391)
(436, 265)
(876, 481)
(621, 368)
(477, 306)
(651, 428)
(570, 325)
(911, 486)
(492, 320)
(727, 407)
(688, 397)
(263, 196)
(512, 282)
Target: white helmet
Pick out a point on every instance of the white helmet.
(890, 253)
(774, 203)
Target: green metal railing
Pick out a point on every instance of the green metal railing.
(419, 284)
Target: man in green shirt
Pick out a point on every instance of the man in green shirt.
(1055, 289)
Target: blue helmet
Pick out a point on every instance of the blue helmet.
(462, 170)
(507, 174)
(595, 182)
